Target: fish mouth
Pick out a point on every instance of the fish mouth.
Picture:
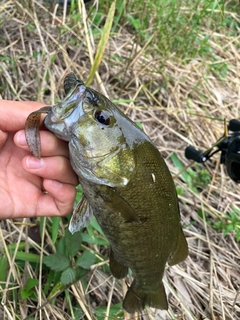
(65, 109)
(66, 113)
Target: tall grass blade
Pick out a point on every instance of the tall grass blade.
(102, 43)
(55, 228)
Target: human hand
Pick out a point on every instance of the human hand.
(30, 187)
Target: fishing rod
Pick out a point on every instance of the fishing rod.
(228, 145)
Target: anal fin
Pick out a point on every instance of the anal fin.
(181, 251)
(118, 270)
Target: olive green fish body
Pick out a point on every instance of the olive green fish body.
(126, 185)
(146, 242)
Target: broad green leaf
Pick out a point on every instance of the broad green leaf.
(68, 276)
(94, 239)
(96, 226)
(179, 165)
(31, 283)
(56, 262)
(80, 272)
(72, 242)
(25, 293)
(61, 246)
(78, 313)
(28, 291)
(86, 260)
(102, 43)
(115, 312)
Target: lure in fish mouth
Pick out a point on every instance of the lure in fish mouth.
(126, 185)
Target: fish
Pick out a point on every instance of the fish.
(126, 185)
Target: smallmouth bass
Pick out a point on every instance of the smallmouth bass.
(126, 185)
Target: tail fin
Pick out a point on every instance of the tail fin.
(136, 299)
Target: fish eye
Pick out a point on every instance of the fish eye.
(102, 117)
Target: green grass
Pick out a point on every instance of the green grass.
(229, 222)
(182, 28)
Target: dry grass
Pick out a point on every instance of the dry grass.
(178, 104)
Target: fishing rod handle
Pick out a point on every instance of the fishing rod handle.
(192, 154)
(234, 125)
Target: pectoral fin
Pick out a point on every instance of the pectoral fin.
(119, 205)
(82, 215)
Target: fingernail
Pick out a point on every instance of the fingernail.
(34, 163)
(56, 184)
(21, 138)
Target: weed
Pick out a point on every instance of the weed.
(28, 290)
(177, 25)
(196, 177)
(230, 222)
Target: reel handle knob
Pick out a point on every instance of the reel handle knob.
(192, 154)
(234, 125)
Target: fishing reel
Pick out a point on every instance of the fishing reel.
(228, 145)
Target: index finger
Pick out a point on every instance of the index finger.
(15, 113)
(50, 144)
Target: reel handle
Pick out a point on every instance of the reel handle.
(192, 154)
(234, 125)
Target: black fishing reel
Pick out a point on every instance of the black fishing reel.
(228, 145)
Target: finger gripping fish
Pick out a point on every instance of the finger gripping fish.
(126, 185)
